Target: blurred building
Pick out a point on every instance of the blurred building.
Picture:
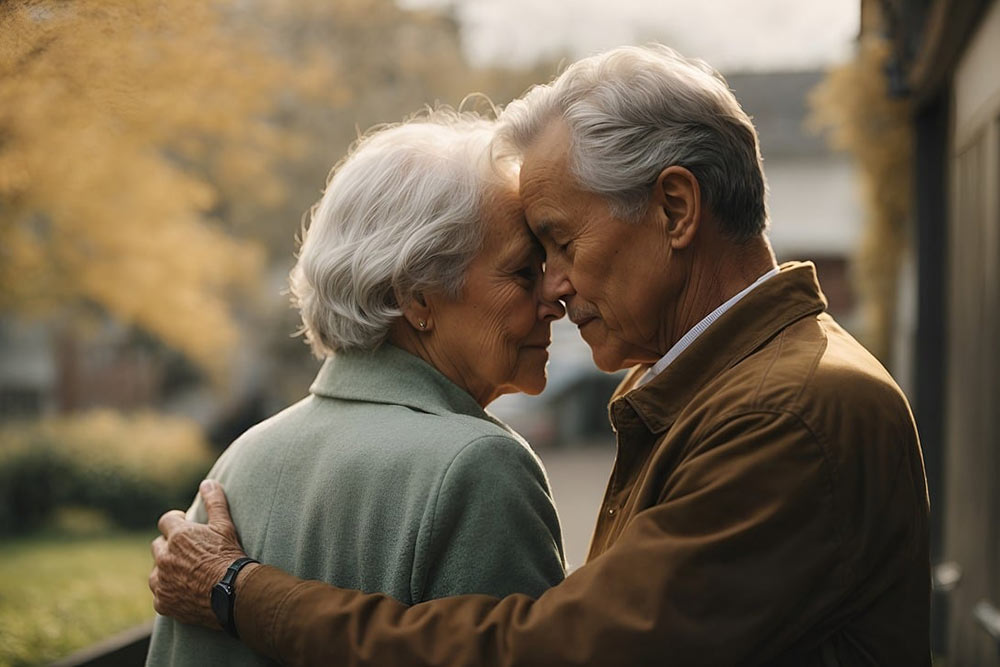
(45, 369)
(27, 370)
(813, 203)
(48, 370)
(945, 60)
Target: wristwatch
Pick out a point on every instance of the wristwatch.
(224, 596)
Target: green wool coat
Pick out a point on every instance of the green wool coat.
(387, 478)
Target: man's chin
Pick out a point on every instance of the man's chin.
(607, 360)
(606, 350)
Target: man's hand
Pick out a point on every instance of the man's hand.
(190, 558)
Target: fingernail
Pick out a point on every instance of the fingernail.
(206, 486)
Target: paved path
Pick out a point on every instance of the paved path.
(579, 475)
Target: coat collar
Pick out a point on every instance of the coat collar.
(790, 295)
(391, 375)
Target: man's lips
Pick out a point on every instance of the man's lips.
(580, 320)
(544, 345)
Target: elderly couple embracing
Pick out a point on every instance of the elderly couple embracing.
(767, 504)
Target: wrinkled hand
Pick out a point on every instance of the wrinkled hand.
(190, 558)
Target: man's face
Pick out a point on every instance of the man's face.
(614, 276)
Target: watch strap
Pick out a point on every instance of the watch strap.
(228, 580)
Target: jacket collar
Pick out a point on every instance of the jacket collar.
(787, 297)
(391, 375)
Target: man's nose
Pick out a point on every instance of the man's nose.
(555, 283)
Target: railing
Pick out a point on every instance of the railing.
(126, 649)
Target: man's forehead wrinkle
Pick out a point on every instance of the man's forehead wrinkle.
(537, 206)
(534, 183)
(538, 195)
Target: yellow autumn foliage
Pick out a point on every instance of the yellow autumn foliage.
(854, 105)
(120, 124)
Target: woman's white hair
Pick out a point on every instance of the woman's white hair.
(401, 215)
(632, 112)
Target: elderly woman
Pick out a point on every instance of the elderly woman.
(418, 280)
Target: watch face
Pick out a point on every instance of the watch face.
(220, 603)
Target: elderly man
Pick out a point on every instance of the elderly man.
(768, 503)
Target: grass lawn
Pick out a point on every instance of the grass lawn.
(61, 593)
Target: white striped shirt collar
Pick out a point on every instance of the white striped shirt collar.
(699, 329)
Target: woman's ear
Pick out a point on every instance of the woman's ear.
(417, 312)
(676, 200)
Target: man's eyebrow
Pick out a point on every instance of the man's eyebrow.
(543, 227)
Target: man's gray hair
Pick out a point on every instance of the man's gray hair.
(401, 215)
(632, 112)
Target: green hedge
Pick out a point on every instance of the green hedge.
(129, 467)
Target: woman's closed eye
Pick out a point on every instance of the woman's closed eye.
(529, 272)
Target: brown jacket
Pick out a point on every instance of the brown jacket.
(768, 506)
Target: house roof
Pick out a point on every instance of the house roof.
(778, 104)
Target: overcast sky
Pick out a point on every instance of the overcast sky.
(733, 35)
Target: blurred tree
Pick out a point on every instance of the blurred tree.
(155, 156)
(854, 105)
(120, 124)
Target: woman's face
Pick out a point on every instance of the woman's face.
(494, 337)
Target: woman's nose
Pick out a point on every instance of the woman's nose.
(549, 311)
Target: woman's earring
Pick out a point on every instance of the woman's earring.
(422, 324)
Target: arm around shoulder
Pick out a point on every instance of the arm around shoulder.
(739, 562)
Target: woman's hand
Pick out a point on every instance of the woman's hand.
(190, 558)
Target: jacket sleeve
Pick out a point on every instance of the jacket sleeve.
(492, 528)
(739, 559)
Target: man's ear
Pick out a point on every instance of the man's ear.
(417, 312)
(676, 200)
